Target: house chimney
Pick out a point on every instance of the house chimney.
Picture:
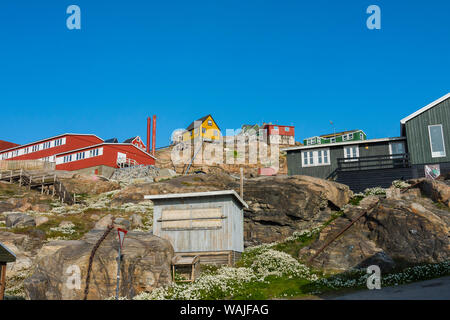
(148, 134)
(154, 136)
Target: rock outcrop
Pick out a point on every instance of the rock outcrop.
(398, 231)
(438, 191)
(145, 266)
(81, 184)
(19, 220)
(278, 205)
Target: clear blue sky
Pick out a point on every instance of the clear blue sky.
(299, 63)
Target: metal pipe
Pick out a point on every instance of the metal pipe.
(154, 136)
(148, 133)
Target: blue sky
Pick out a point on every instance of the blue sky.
(299, 63)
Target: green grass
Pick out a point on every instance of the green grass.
(355, 200)
(272, 288)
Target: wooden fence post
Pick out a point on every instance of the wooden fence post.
(2, 280)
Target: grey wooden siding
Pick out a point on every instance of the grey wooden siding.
(418, 137)
(294, 158)
(229, 237)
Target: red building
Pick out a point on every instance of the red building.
(113, 155)
(280, 134)
(85, 152)
(137, 141)
(46, 149)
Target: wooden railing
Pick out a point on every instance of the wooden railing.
(373, 162)
(28, 179)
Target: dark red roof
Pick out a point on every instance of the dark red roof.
(6, 145)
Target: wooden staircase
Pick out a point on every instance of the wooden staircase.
(46, 181)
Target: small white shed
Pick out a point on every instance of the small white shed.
(207, 224)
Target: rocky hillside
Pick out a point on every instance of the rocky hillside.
(397, 229)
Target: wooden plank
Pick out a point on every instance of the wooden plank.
(2, 280)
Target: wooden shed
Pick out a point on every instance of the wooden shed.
(207, 224)
(6, 256)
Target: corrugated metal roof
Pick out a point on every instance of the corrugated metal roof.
(196, 194)
(6, 255)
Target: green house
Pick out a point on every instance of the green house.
(427, 133)
(421, 150)
(345, 136)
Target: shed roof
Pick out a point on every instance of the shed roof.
(6, 255)
(197, 194)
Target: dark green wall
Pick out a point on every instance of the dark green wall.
(417, 133)
(294, 158)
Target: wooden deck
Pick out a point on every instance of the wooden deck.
(45, 180)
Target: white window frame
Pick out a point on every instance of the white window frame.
(433, 153)
(315, 158)
(351, 155)
(390, 148)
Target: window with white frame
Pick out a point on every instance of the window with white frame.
(351, 152)
(437, 144)
(67, 158)
(344, 137)
(397, 149)
(286, 129)
(333, 140)
(319, 157)
(350, 136)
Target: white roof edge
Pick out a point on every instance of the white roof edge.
(196, 194)
(327, 145)
(101, 144)
(427, 107)
(7, 249)
(59, 135)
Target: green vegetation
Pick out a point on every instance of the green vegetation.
(355, 200)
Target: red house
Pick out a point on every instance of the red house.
(46, 149)
(86, 153)
(114, 155)
(137, 141)
(280, 134)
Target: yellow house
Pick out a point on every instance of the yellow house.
(204, 127)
